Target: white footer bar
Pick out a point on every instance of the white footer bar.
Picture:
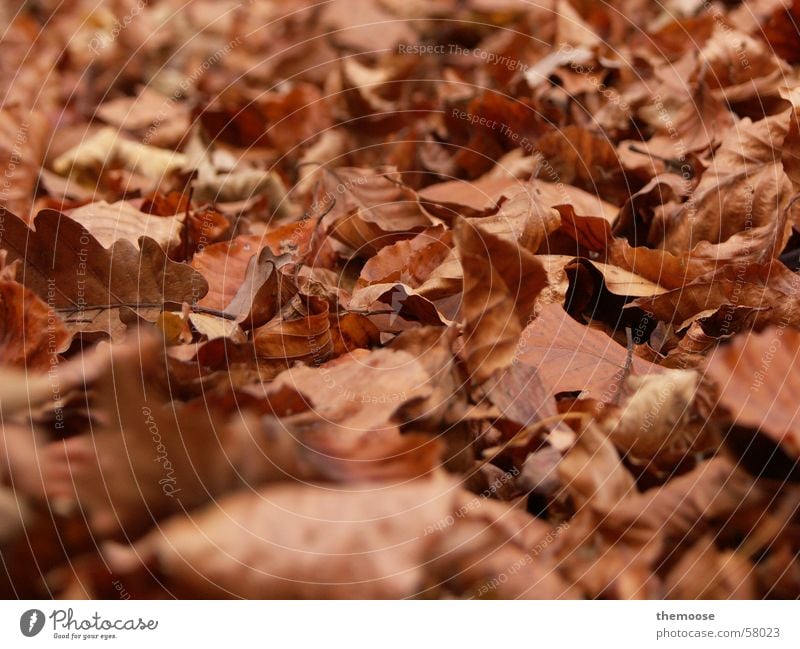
(400, 625)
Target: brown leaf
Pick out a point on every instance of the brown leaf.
(22, 151)
(368, 209)
(110, 223)
(281, 120)
(498, 297)
(298, 541)
(89, 283)
(690, 504)
(106, 150)
(351, 431)
(31, 334)
(780, 31)
(687, 117)
(745, 188)
(410, 261)
(755, 374)
(263, 292)
(659, 422)
(705, 572)
(301, 332)
(365, 26)
(769, 289)
(587, 161)
(570, 356)
(224, 265)
(149, 457)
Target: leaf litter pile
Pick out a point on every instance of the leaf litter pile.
(390, 299)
